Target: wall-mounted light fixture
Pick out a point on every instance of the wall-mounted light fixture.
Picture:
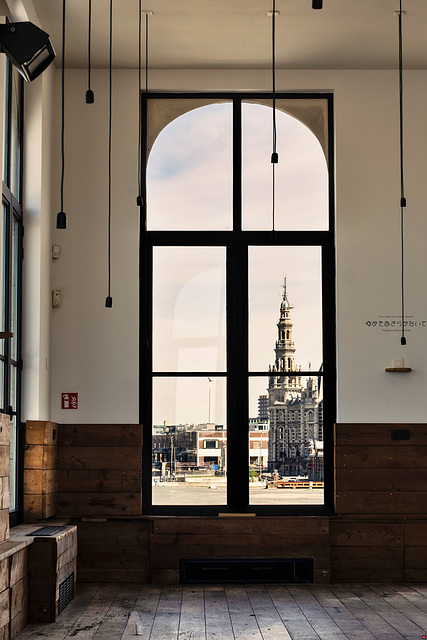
(28, 48)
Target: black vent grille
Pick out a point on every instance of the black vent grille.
(271, 570)
(66, 592)
(46, 531)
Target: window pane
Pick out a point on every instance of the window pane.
(189, 172)
(15, 288)
(189, 444)
(285, 308)
(2, 275)
(286, 448)
(189, 309)
(301, 175)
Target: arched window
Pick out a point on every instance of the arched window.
(213, 257)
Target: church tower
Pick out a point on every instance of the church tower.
(283, 388)
(294, 409)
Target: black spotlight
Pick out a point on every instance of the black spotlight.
(317, 4)
(29, 48)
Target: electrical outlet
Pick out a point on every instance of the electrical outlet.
(56, 298)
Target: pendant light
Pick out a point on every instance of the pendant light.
(109, 299)
(61, 218)
(274, 155)
(147, 13)
(400, 13)
(317, 4)
(90, 98)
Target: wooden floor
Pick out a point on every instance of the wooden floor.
(265, 612)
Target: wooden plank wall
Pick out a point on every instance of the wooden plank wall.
(237, 537)
(379, 531)
(100, 470)
(114, 551)
(381, 503)
(40, 470)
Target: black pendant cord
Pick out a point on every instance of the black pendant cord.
(61, 218)
(139, 199)
(274, 155)
(109, 300)
(90, 98)
(402, 179)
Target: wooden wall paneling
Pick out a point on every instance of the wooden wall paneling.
(415, 552)
(366, 551)
(114, 551)
(376, 434)
(367, 564)
(377, 475)
(40, 470)
(100, 470)
(176, 538)
(91, 435)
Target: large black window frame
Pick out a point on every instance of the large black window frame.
(238, 374)
(11, 284)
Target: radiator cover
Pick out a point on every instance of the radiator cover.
(246, 570)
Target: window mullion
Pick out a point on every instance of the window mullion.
(237, 363)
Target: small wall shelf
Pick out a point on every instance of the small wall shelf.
(398, 369)
(6, 334)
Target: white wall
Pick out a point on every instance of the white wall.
(95, 350)
(36, 267)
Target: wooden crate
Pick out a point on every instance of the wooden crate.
(52, 559)
(40, 470)
(4, 476)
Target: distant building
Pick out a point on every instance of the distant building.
(295, 409)
(263, 407)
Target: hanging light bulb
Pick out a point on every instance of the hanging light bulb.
(61, 218)
(400, 13)
(90, 97)
(109, 299)
(274, 155)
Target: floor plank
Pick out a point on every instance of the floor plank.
(217, 617)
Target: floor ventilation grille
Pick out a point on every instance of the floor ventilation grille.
(46, 531)
(271, 570)
(66, 592)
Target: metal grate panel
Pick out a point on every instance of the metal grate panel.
(241, 570)
(47, 531)
(66, 592)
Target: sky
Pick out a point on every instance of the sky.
(189, 184)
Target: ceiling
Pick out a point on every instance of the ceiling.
(226, 34)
